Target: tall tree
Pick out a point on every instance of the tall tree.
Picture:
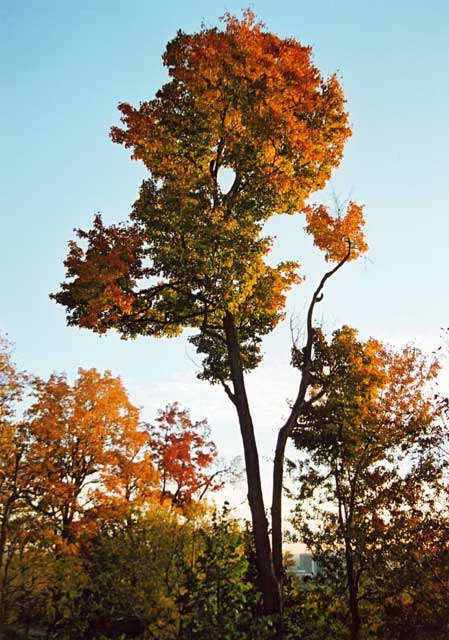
(193, 255)
(372, 457)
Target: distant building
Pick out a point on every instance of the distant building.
(304, 566)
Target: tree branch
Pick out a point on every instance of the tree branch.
(285, 431)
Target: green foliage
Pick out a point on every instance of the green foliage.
(219, 599)
(136, 571)
(157, 575)
(314, 610)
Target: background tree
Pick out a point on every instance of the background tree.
(416, 587)
(372, 461)
(183, 455)
(13, 508)
(136, 575)
(194, 253)
(84, 451)
(80, 475)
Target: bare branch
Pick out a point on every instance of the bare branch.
(228, 391)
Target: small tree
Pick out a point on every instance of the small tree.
(218, 598)
(372, 460)
(194, 253)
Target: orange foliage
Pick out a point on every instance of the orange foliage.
(12, 455)
(336, 235)
(86, 452)
(106, 272)
(12, 382)
(373, 399)
(249, 100)
(183, 455)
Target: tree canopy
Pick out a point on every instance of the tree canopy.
(242, 100)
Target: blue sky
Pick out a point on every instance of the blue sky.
(66, 65)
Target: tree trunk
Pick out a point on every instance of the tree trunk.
(278, 465)
(276, 506)
(268, 583)
(353, 595)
